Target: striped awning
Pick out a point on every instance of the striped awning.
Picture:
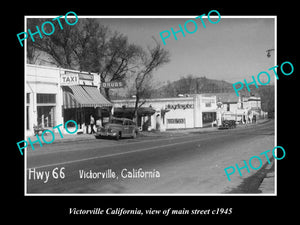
(78, 96)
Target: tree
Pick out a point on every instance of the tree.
(150, 60)
(91, 44)
(59, 46)
(267, 99)
(86, 46)
(186, 85)
(119, 60)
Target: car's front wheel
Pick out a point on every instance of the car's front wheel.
(118, 136)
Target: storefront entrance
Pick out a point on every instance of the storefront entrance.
(45, 116)
(45, 107)
(80, 102)
(82, 115)
(208, 118)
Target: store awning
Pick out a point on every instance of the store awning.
(78, 96)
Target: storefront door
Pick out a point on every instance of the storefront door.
(45, 116)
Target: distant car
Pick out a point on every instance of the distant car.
(227, 124)
(118, 128)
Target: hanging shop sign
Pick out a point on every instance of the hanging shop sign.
(116, 84)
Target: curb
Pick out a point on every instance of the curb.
(68, 137)
(168, 133)
(267, 186)
(257, 183)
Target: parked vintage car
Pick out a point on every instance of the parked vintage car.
(118, 128)
(227, 124)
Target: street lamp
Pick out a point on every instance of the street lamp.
(269, 52)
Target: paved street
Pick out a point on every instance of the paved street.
(188, 162)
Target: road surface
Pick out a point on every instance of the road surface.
(184, 163)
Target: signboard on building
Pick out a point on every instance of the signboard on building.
(84, 76)
(116, 84)
(69, 79)
(73, 78)
(180, 106)
(175, 121)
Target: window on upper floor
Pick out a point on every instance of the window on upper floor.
(46, 98)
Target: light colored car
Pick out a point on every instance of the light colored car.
(118, 128)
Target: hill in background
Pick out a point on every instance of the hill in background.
(201, 85)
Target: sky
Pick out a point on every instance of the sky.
(232, 50)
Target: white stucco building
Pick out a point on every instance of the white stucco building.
(175, 113)
(241, 109)
(56, 95)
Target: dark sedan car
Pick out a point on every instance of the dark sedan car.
(118, 128)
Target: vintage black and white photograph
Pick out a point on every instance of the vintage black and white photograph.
(150, 105)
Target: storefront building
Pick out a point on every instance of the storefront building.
(56, 95)
(242, 109)
(174, 113)
(193, 111)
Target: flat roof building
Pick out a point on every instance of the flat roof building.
(174, 113)
(56, 95)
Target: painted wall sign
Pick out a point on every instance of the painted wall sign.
(175, 121)
(180, 106)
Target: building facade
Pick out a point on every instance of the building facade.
(242, 109)
(198, 110)
(56, 95)
(175, 113)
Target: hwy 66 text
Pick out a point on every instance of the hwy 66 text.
(56, 173)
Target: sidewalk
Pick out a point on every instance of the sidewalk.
(253, 124)
(66, 137)
(168, 133)
(267, 186)
(211, 129)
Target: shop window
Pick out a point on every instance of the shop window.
(208, 117)
(46, 98)
(45, 116)
(27, 98)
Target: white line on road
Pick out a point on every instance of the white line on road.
(36, 153)
(116, 154)
(134, 151)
